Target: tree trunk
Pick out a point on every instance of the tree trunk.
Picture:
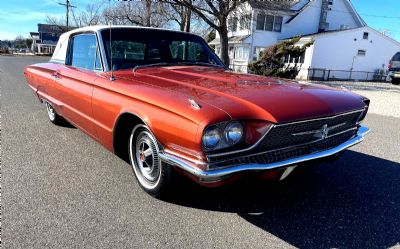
(188, 17)
(223, 34)
(147, 17)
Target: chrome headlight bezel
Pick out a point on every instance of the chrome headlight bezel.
(233, 133)
(210, 131)
(225, 130)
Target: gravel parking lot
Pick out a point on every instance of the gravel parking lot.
(60, 189)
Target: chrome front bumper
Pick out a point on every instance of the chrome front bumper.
(218, 173)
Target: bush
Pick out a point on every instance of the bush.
(272, 60)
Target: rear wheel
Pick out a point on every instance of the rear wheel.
(153, 176)
(53, 116)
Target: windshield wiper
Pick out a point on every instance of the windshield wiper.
(161, 64)
(199, 63)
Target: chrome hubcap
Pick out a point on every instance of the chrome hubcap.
(50, 111)
(146, 163)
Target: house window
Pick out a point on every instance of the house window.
(260, 22)
(295, 59)
(257, 52)
(361, 52)
(278, 23)
(218, 50)
(241, 53)
(365, 35)
(269, 23)
(330, 2)
(245, 22)
(233, 24)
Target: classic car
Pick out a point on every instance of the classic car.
(163, 101)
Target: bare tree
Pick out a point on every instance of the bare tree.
(92, 15)
(148, 13)
(215, 14)
(179, 14)
(54, 20)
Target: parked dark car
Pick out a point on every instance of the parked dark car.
(394, 69)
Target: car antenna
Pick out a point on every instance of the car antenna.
(112, 78)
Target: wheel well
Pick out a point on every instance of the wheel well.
(122, 131)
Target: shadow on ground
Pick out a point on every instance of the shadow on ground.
(352, 203)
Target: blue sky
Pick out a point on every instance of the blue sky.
(19, 17)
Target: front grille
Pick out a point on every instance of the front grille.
(281, 135)
(286, 141)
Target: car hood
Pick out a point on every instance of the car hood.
(244, 96)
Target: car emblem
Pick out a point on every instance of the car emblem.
(321, 133)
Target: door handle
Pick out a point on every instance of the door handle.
(56, 75)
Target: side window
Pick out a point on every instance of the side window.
(83, 51)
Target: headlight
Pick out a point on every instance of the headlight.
(212, 137)
(222, 135)
(233, 133)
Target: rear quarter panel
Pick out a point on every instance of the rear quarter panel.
(39, 77)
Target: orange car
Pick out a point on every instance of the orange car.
(164, 101)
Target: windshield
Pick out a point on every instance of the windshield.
(142, 47)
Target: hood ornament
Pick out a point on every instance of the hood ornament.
(194, 104)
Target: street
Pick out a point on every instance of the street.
(61, 189)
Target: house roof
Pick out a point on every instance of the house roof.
(273, 5)
(365, 28)
(299, 11)
(319, 33)
(233, 39)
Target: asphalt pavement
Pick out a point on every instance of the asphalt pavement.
(61, 189)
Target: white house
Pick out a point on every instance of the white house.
(344, 46)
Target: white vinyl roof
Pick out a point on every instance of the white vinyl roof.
(61, 49)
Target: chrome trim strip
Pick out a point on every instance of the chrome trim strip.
(277, 125)
(328, 129)
(329, 117)
(197, 162)
(204, 174)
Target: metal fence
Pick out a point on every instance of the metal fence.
(328, 74)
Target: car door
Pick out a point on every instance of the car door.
(75, 81)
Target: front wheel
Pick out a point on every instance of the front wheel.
(395, 81)
(153, 176)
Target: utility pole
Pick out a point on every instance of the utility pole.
(68, 5)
